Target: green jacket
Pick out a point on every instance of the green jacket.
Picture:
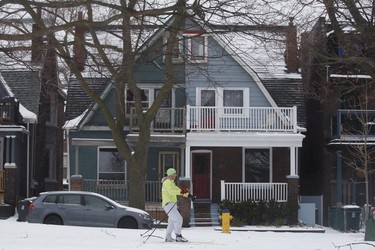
(169, 191)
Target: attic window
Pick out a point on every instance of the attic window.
(197, 48)
(177, 51)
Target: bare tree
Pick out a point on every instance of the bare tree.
(118, 31)
(357, 127)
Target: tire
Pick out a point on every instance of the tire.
(53, 220)
(128, 222)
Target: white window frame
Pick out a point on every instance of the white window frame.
(189, 46)
(151, 92)
(219, 94)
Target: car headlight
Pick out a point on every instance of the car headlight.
(145, 216)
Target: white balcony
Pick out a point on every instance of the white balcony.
(221, 119)
(241, 119)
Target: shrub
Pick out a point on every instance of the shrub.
(257, 212)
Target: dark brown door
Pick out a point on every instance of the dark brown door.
(201, 174)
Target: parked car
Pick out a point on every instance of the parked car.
(80, 208)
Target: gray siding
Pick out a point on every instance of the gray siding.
(223, 71)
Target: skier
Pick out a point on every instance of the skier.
(169, 199)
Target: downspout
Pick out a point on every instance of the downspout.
(28, 162)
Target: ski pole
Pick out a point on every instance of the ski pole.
(154, 229)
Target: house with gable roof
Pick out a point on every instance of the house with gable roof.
(340, 120)
(232, 126)
(32, 115)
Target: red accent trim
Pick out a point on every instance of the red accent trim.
(197, 32)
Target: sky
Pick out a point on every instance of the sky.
(25, 236)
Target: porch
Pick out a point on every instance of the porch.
(230, 191)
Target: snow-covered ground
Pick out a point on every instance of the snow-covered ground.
(22, 235)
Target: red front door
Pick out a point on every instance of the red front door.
(201, 166)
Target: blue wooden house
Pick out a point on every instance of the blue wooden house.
(233, 124)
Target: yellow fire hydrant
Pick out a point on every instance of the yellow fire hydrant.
(225, 221)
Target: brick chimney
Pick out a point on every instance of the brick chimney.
(291, 47)
(36, 42)
(79, 56)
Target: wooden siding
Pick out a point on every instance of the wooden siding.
(224, 72)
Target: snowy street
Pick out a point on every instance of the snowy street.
(22, 235)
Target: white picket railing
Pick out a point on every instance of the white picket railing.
(236, 192)
(118, 190)
(241, 119)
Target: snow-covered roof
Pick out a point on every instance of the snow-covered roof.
(262, 52)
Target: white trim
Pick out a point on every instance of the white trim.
(238, 139)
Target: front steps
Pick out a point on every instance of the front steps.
(204, 214)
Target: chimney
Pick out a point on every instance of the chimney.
(291, 47)
(36, 42)
(79, 56)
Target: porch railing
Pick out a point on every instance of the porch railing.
(2, 186)
(242, 119)
(254, 191)
(118, 189)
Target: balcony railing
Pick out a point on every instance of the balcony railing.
(242, 119)
(167, 120)
(198, 119)
(237, 192)
(353, 123)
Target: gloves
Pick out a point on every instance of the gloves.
(192, 197)
(184, 191)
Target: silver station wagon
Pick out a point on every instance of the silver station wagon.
(78, 208)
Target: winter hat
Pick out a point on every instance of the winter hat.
(171, 171)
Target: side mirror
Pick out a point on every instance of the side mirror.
(108, 206)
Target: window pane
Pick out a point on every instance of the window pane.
(197, 48)
(233, 98)
(72, 199)
(257, 165)
(111, 166)
(95, 202)
(130, 99)
(208, 98)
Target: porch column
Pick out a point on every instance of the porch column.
(293, 193)
(184, 204)
(187, 162)
(76, 154)
(293, 160)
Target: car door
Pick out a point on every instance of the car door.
(98, 212)
(71, 209)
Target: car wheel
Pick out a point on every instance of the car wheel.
(128, 222)
(53, 220)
